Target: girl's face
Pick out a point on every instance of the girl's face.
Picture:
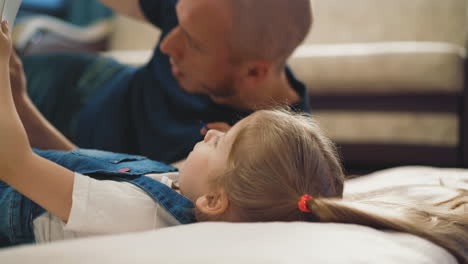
(207, 160)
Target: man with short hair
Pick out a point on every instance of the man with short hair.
(217, 62)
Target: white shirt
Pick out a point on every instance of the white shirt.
(106, 207)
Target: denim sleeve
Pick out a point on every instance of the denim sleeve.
(159, 12)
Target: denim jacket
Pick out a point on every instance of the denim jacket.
(17, 212)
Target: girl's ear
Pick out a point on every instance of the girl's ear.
(213, 204)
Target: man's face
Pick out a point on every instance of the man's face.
(198, 49)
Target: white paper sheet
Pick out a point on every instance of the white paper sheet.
(9, 10)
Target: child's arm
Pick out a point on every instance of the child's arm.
(44, 182)
(41, 133)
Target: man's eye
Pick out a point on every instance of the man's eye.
(193, 46)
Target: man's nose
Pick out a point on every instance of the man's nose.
(172, 45)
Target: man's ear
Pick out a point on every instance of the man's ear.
(213, 204)
(256, 72)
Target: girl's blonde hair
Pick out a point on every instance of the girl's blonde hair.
(279, 156)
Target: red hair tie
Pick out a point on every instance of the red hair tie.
(302, 204)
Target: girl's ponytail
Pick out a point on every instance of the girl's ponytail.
(279, 156)
(446, 229)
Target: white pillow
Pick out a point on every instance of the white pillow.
(408, 175)
(240, 243)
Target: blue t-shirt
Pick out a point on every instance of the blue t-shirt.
(144, 111)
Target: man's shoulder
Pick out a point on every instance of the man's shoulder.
(160, 13)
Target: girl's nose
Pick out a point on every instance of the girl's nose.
(209, 135)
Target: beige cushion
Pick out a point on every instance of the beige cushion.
(390, 67)
(345, 21)
(430, 129)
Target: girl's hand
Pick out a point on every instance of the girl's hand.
(5, 42)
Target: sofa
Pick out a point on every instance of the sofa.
(386, 78)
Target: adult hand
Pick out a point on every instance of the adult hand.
(220, 126)
(5, 43)
(41, 133)
(17, 78)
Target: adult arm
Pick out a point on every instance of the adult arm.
(42, 181)
(41, 134)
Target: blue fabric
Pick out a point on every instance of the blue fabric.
(44, 4)
(16, 217)
(17, 212)
(77, 12)
(86, 12)
(144, 111)
(61, 84)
